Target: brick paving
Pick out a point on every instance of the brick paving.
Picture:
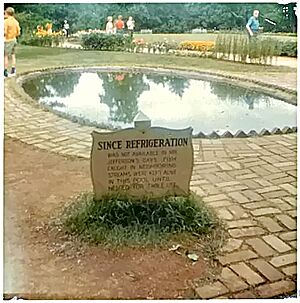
(250, 182)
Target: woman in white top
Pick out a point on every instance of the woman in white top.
(130, 25)
(109, 25)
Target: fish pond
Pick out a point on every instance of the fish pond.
(112, 99)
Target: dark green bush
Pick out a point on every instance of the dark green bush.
(106, 42)
(38, 41)
(289, 48)
(47, 40)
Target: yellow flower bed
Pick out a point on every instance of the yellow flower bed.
(202, 46)
(41, 32)
(44, 33)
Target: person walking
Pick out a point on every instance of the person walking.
(130, 26)
(119, 25)
(253, 24)
(11, 32)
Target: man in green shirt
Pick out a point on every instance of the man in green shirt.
(253, 24)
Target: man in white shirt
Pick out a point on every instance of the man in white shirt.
(130, 25)
(66, 28)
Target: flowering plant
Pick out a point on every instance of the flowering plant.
(41, 32)
(138, 41)
(202, 46)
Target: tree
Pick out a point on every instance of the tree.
(162, 17)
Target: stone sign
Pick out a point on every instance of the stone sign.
(142, 161)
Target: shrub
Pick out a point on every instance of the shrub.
(42, 37)
(47, 40)
(202, 46)
(289, 48)
(106, 42)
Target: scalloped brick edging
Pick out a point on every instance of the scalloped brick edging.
(252, 133)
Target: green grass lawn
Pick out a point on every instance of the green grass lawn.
(32, 58)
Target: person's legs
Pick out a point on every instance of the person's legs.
(6, 53)
(13, 59)
(5, 65)
(13, 63)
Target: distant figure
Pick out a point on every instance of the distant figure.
(66, 28)
(109, 25)
(119, 25)
(130, 25)
(11, 32)
(253, 24)
(49, 28)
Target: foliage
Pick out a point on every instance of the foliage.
(175, 38)
(163, 46)
(202, 46)
(45, 40)
(104, 42)
(288, 48)
(29, 21)
(161, 18)
(123, 221)
(241, 48)
(43, 37)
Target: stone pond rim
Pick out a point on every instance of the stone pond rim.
(271, 90)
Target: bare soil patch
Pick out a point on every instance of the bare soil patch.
(41, 263)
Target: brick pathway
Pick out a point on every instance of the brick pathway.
(252, 186)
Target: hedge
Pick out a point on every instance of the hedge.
(289, 48)
(106, 42)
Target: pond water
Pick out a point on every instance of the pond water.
(113, 99)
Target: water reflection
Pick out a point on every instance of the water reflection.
(249, 100)
(51, 85)
(227, 92)
(176, 85)
(113, 99)
(120, 92)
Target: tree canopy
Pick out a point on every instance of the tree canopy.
(160, 17)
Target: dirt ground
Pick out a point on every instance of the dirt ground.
(41, 264)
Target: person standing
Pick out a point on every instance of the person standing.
(66, 28)
(130, 25)
(253, 24)
(109, 25)
(119, 25)
(11, 32)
